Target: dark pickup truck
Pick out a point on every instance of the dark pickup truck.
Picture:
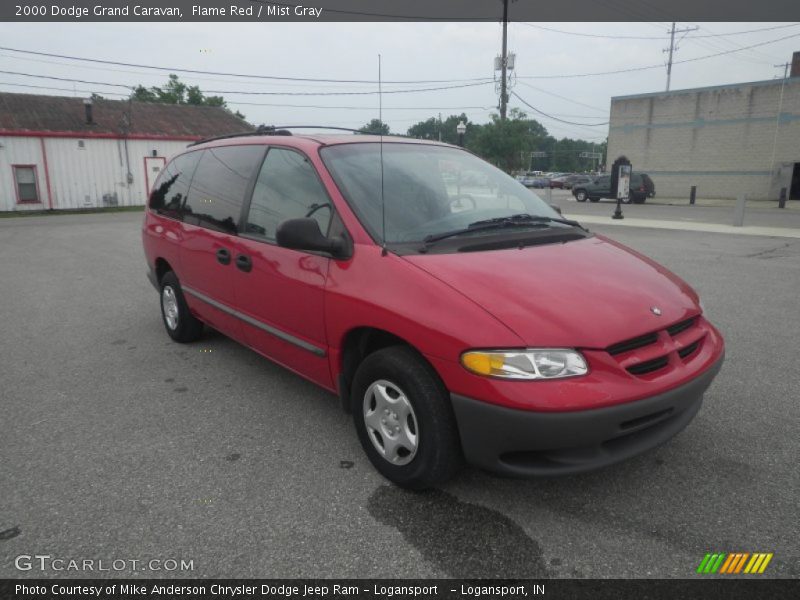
(642, 188)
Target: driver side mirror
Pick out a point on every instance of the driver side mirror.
(304, 234)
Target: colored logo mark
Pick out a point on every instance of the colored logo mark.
(734, 563)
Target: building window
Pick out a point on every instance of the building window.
(25, 179)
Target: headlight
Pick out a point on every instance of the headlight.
(544, 363)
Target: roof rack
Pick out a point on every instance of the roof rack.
(260, 130)
(274, 130)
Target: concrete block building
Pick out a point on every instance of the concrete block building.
(727, 140)
(67, 153)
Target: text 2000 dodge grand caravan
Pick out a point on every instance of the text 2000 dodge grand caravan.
(455, 313)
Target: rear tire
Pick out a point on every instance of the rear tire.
(404, 419)
(580, 196)
(181, 325)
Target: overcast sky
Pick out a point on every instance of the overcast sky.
(410, 51)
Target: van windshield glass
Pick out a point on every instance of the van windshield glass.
(428, 190)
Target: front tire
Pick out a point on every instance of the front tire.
(404, 419)
(580, 196)
(180, 323)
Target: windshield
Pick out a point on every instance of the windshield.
(428, 190)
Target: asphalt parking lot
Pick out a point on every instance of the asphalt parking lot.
(117, 443)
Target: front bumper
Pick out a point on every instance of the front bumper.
(526, 444)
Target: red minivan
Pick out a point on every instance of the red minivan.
(456, 314)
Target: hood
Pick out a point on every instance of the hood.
(589, 293)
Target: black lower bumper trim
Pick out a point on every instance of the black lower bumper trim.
(525, 444)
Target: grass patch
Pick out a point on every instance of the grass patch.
(69, 211)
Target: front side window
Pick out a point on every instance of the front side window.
(427, 190)
(219, 186)
(287, 188)
(27, 188)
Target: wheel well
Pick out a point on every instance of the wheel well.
(357, 345)
(162, 268)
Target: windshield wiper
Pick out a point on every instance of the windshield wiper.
(520, 220)
(526, 218)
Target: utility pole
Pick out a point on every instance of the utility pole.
(504, 64)
(672, 49)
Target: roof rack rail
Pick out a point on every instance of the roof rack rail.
(279, 130)
(260, 130)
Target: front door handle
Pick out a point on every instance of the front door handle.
(223, 256)
(243, 263)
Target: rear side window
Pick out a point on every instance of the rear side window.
(219, 186)
(171, 187)
(287, 188)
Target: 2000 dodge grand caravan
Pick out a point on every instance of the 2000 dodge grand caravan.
(454, 312)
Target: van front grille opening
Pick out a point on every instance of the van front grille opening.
(648, 366)
(633, 344)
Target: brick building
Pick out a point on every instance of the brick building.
(726, 140)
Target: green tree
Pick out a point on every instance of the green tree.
(177, 92)
(564, 155)
(434, 129)
(375, 127)
(508, 143)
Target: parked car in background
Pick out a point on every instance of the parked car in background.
(533, 179)
(642, 188)
(557, 182)
(572, 180)
(540, 182)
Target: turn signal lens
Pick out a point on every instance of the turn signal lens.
(545, 363)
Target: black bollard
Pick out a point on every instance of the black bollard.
(693, 194)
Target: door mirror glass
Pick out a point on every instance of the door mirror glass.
(305, 234)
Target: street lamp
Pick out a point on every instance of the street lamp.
(461, 129)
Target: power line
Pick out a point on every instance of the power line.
(556, 118)
(372, 93)
(60, 89)
(140, 73)
(275, 104)
(364, 107)
(538, 89)
(243, 75)
(254, 93)
(652, 37)
(646, 68)
(127, 87)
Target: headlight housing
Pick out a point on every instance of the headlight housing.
(531, 363)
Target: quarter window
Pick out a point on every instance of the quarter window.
(219, 186)
(172, 185)
(27, 188)
(287, 188)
